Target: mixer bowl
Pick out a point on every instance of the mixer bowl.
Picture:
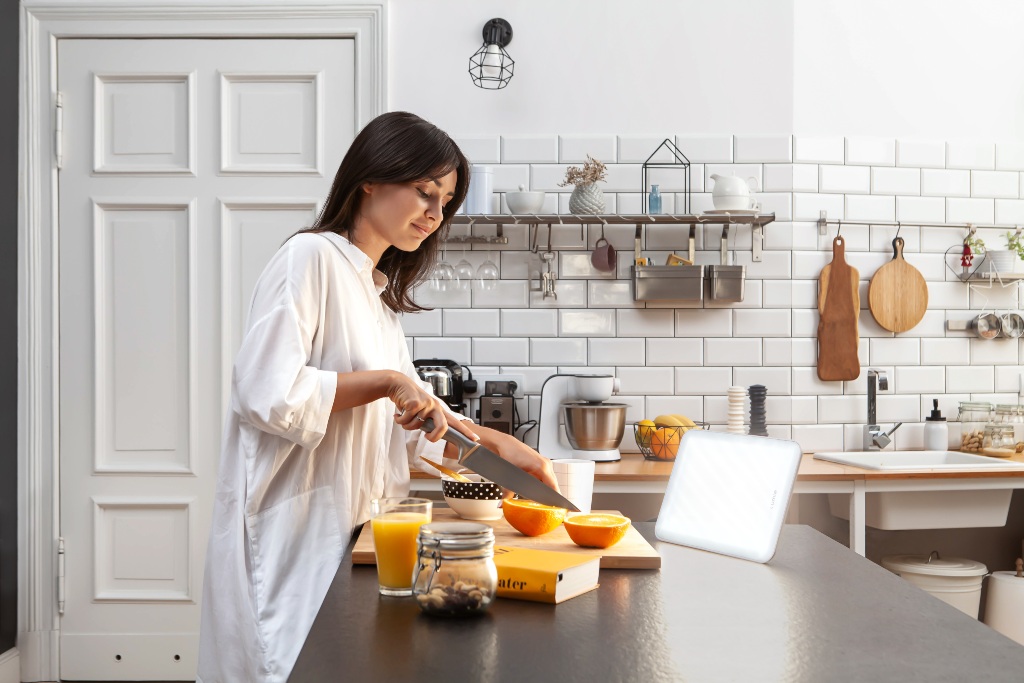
(594, 426)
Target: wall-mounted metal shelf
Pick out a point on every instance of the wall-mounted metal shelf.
(756, 220)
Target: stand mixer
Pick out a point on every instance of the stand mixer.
(575, 421)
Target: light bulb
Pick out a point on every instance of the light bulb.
(490, 67)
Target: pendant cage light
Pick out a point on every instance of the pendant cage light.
(490, 67)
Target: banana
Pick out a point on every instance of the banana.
(685, 421)
(668, 421)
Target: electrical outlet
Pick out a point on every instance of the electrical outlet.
(481, 383)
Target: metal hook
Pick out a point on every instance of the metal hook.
(839, 222)
(899, 226)
(1017, 231)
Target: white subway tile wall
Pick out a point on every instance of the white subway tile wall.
(681, 357)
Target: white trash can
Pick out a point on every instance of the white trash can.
(954, 580)
(1004, 605)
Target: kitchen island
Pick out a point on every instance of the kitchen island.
(635, 474)
(817, 612)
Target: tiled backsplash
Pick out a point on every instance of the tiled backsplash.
(682, 358)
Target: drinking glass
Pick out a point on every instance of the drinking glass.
(443, 275)
(464, 271)
(396, 526)
(487, 273)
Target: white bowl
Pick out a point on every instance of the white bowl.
(478, 499)
(524, 202)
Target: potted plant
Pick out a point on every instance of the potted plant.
(1015, 244)
(586, 197)
(1001, 260)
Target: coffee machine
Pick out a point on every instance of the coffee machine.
(576, 421)
(447, 379)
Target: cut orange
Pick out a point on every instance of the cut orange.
(597, 530)
(665, 443)
(531, 518)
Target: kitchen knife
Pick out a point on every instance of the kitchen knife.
(492, 466)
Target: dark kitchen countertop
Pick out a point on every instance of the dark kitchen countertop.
(817, 612)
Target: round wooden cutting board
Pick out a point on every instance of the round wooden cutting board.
(898, 294)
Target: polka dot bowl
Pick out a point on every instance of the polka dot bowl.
(478, 499)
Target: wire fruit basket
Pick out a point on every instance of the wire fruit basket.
(662, 443)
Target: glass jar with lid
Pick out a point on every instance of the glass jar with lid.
(1007, 413)
(998, 436)
(455, 574)
(973, 417)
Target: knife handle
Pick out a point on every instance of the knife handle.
(461, 441)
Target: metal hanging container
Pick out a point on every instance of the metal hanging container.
(725, 282)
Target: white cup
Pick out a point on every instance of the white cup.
(576, 480)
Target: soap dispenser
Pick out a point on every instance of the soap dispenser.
(936, 433)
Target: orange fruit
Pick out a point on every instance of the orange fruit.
(597, 530)
(531, 518)
(665, 443)
(644, 429)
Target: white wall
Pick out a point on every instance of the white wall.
(943, 69)
(653, 67)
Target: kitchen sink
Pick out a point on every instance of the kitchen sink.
(916, 460)
(940, 508)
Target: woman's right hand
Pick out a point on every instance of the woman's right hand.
(416, 405)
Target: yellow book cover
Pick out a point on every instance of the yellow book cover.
(544, 575)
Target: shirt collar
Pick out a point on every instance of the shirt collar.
(360, 261)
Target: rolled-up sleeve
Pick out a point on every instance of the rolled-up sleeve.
(275, 389)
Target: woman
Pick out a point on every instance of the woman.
(325, 403)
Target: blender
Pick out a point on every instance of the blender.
(576, 421)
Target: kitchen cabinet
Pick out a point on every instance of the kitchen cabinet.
(816, 612)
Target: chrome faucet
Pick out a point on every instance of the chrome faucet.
(874, 438)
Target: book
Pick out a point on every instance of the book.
(544, 575)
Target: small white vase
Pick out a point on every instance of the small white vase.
(586, 198)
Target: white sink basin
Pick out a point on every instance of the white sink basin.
(925, 509)
(916, 460)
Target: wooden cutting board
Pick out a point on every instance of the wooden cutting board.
(632, 552)
(898, 294)
(839, 306)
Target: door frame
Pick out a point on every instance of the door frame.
(43, 23)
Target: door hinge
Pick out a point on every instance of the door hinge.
(60, 575)
(58, 140)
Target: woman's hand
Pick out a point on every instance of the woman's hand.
(416, 405)
(519, 454)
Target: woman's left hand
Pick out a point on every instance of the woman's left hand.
(519, 454)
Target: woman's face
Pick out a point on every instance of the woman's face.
(401, 215)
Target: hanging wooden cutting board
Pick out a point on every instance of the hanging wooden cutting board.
(898, 294)
(839, 306)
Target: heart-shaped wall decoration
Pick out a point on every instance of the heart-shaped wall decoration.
(953, 260)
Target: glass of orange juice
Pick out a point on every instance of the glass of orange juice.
(396, 527)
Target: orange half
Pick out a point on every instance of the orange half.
(597, 530)
(531, 518)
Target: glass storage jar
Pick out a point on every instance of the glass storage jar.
(973, 417)
(998, 435)
(455, 574)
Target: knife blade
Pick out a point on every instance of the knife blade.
(490, 465)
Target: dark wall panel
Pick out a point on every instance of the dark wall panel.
(8, 330)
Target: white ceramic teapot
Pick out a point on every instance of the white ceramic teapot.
(732, 193)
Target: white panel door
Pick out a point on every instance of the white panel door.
(186, 164)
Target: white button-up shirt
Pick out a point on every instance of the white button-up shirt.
(296, 479)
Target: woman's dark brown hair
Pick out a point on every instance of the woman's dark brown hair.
(397, 147)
